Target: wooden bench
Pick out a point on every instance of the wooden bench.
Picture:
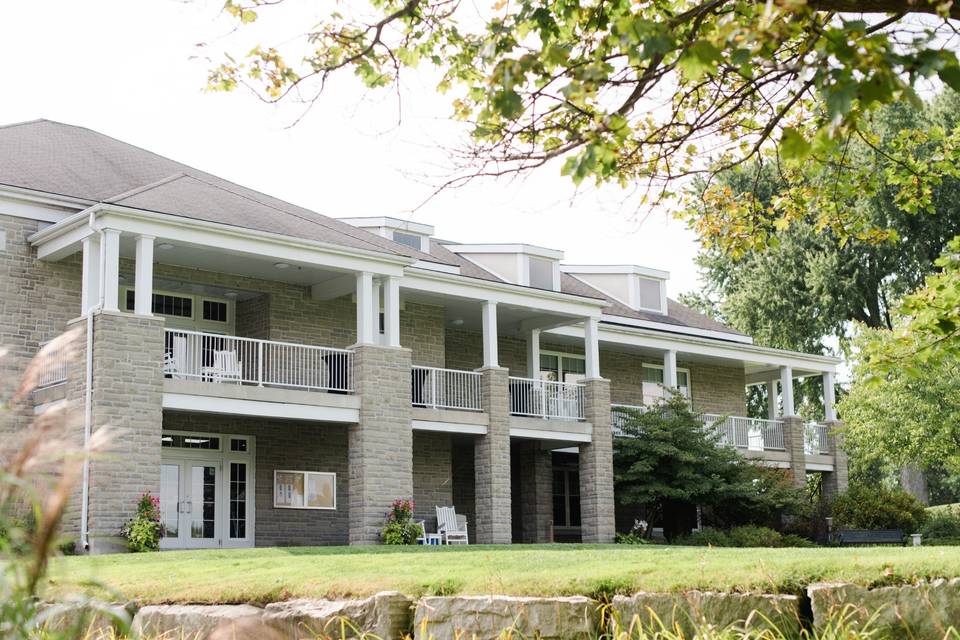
(870, 536)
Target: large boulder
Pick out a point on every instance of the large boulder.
(920, 611)
(487, 617)
(385, 615)
(82, 617)
(200, 622)
(692, 609)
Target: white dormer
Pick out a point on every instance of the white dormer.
(640, 288)
(412, 234)
(522, 264)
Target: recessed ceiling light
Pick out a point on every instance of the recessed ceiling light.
(457, 322)
(281, 265)
(231, 294)
(165, 246)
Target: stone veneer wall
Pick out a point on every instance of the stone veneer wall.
(285, 444)
(432, 475)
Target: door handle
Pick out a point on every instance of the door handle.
(184, 507)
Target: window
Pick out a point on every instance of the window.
(409, 239)
(163, 304)
(180, 441)
(541, 273)
(214, 310)
(238, 498)
(304, 490)
(653, 389)
(562, 367)
(566, 498)
(650, 296)
(238, 444)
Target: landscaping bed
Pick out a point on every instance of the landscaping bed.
(274, 574)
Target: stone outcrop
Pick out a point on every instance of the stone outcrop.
(922, 611)
(487, 617)
(199, 622)
(687, 610)
(385, 615)
(83, 617)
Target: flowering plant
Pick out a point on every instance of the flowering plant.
(144, 531)
(400, 527)
(636, 535)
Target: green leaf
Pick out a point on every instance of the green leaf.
(700, 58)
(950, 76)
(793, 146)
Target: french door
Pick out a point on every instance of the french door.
(206, 494)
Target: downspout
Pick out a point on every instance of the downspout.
(88, 393)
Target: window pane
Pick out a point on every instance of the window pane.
(321, 490)
(682, 379)
(190, 442)
(288, 491)
(549, 363)
(238, 444)
(203, 509)
(410, 239)
(559, 498)
(238, 500)
(215, 311)
(131, 299)
(650, 293)
(169, 499)
(541, 273)
(173, 305)
(574, 365)
(652, 374)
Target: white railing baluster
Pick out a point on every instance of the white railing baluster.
(446, 388)
(193, 355)
(546, 399)
(53, 366)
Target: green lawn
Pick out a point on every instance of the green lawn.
(263, 575)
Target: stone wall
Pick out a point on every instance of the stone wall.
(432, 475)
(292, 445)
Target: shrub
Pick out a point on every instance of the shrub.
(400, 527)
(143, 533)
(752, 536)
(748, 536)
(942, 524)
(876, 507)
(636, 535)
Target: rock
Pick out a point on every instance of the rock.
(385, 615)
(921, 611)
(83, 617)
(694, 608)
(200, 622)
(487, 617)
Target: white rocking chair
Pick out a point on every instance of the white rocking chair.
(226, 368)
(452, 527)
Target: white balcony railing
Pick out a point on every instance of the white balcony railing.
(546, 399)
(53, 365)
(816, 439)
(446, 388)
(751, 434)
(620, 414)
(191, 355)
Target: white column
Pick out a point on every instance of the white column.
(670, 369)
(375, 310)
(533, 354)
(829, 398)
(364, 308)
(786, 390)
(111, 269)
(772, 399)
(90, 286)
(591, 348)
(391, 310)
(490, 357)
(143, 282)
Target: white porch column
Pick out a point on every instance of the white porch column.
(533, 354)
(829, 397)
(90, 286)
(391, 310)
(670, 369)
(143, 281)
(375, 310)
(111, 269)
(786, 390)
(365, 308)
(772, 404)
(591, 348)
(489, 312)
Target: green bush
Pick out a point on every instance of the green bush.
(876, 507)
(400, 527)
(942, 524)
(143, 533)
(748, 536)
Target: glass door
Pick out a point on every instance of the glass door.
(189, 504)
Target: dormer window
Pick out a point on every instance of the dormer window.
(640, 288)
(541, 273)
(412, 240)
(415, 235)
(521, 264)
(651, 294)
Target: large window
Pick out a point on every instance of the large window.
(566, 497)
(562, 367)
(304, 490)
(653, 389)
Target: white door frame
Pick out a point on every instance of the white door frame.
(221, 458)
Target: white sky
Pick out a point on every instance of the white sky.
(124, 68)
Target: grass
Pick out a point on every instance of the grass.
(944, 507)
(271, 574)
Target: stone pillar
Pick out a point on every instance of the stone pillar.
(128, 402)
(597, 518)
(836, 481)
(536, 492)
(381, 443)
(793, 444)
(492, 461)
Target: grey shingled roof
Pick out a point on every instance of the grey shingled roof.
(67, 160)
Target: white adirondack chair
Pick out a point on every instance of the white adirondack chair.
(226, 367)
(175, 362)
(451, 527)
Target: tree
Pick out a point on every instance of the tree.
(669, 462)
